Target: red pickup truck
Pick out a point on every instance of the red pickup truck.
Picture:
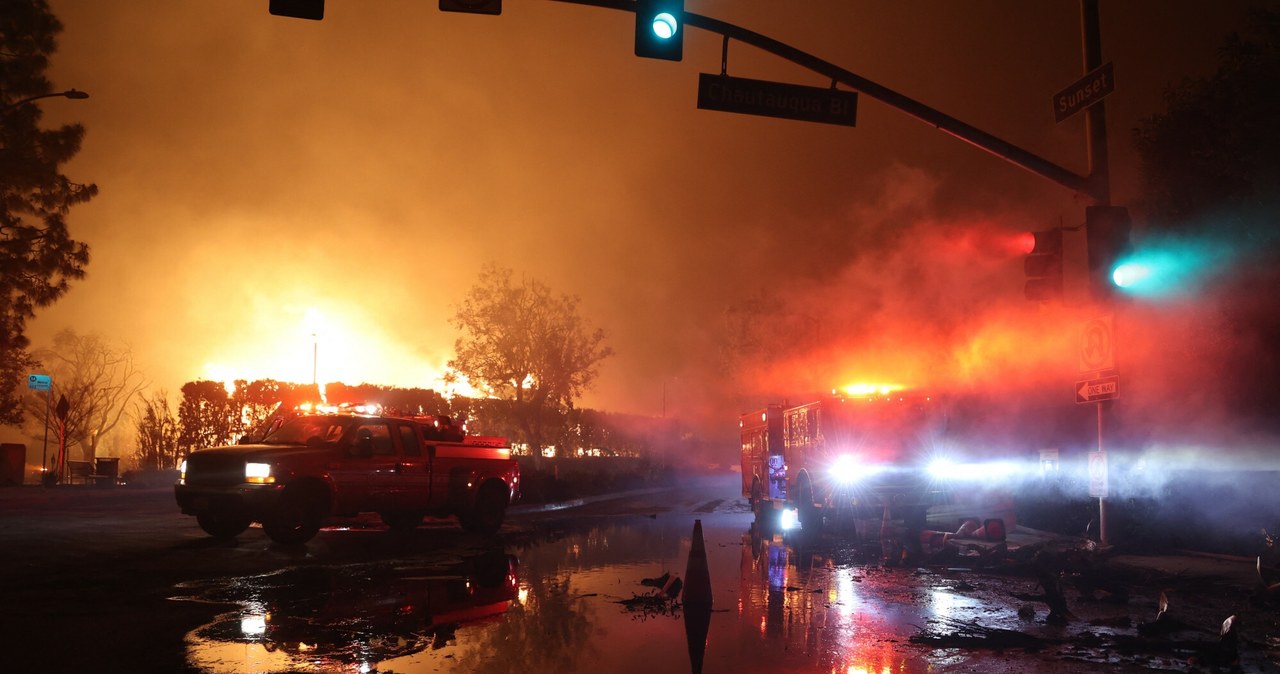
(312, 466)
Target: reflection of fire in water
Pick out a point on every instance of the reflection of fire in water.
(351, 618)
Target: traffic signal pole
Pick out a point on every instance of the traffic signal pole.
(1096, 185)
(1099, 174)
(1096, 114)
(935, 118)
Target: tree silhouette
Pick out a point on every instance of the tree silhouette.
(205, 416)
(522, 343)
(157, 433)
(1215, 148)
(38, 257)
(98, 379)
(1211, 171)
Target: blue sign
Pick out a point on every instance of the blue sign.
(39, 382)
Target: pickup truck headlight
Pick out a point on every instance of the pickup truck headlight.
(258, 473)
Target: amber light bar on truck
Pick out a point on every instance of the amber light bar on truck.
(371, 409)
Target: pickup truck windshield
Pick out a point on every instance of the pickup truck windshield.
(301, 430)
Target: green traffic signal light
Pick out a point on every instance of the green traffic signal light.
(665, 26)
(1107, 232)
(659, 33)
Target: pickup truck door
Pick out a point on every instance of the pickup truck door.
(365, 471)
(413, 473)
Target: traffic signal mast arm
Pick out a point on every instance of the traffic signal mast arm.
(939, 120)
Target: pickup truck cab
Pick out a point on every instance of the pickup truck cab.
(312, 466)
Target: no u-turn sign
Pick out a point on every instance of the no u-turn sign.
(1097, 346)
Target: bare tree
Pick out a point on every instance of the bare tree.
(522, 343)
(98, 380)
(157, 433)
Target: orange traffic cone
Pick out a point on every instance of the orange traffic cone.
(697, 578)
(697, 599)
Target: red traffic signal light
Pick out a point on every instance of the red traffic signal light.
(660, 29)
(1043, 267)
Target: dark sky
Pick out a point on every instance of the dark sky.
(263, 178)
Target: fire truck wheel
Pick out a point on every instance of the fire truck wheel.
(401, 521)
(488, 512)
(223, 524)
(810, 519)
(295, 520)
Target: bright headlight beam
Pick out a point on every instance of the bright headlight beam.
(259, 473)
(845, 469)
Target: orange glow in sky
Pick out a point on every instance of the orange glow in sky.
(280, 196)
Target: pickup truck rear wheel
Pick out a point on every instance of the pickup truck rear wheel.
(488, 512)
(295, 520)
(221, 524)
(400, 520)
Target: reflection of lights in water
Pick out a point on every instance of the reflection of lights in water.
(522, 595)
(842, 594)
(777, 567)
(943, 603)
(253, 625)
(365, 668)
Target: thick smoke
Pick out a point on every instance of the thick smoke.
(936, 303)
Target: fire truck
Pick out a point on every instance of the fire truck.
(845, 457)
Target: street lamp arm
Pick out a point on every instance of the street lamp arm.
(73, 94)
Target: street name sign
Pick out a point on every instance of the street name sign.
(777, 99)
(39, 382)
(1095, 390)
(1084, 92)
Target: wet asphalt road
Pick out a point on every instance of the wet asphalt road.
(88, 577)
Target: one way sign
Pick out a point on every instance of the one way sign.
(1095, 390)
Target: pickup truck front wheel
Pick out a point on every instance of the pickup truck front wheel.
(488, 512)
(295, 520)
(223, 524)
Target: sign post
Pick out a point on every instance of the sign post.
(43, 382)
(1097, 359)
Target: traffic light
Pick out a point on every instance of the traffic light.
(1107, 233)
(1043, 266)
(493, 7)
(298, 9)
(660, 29)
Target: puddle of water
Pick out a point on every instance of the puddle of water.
(577, 604)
